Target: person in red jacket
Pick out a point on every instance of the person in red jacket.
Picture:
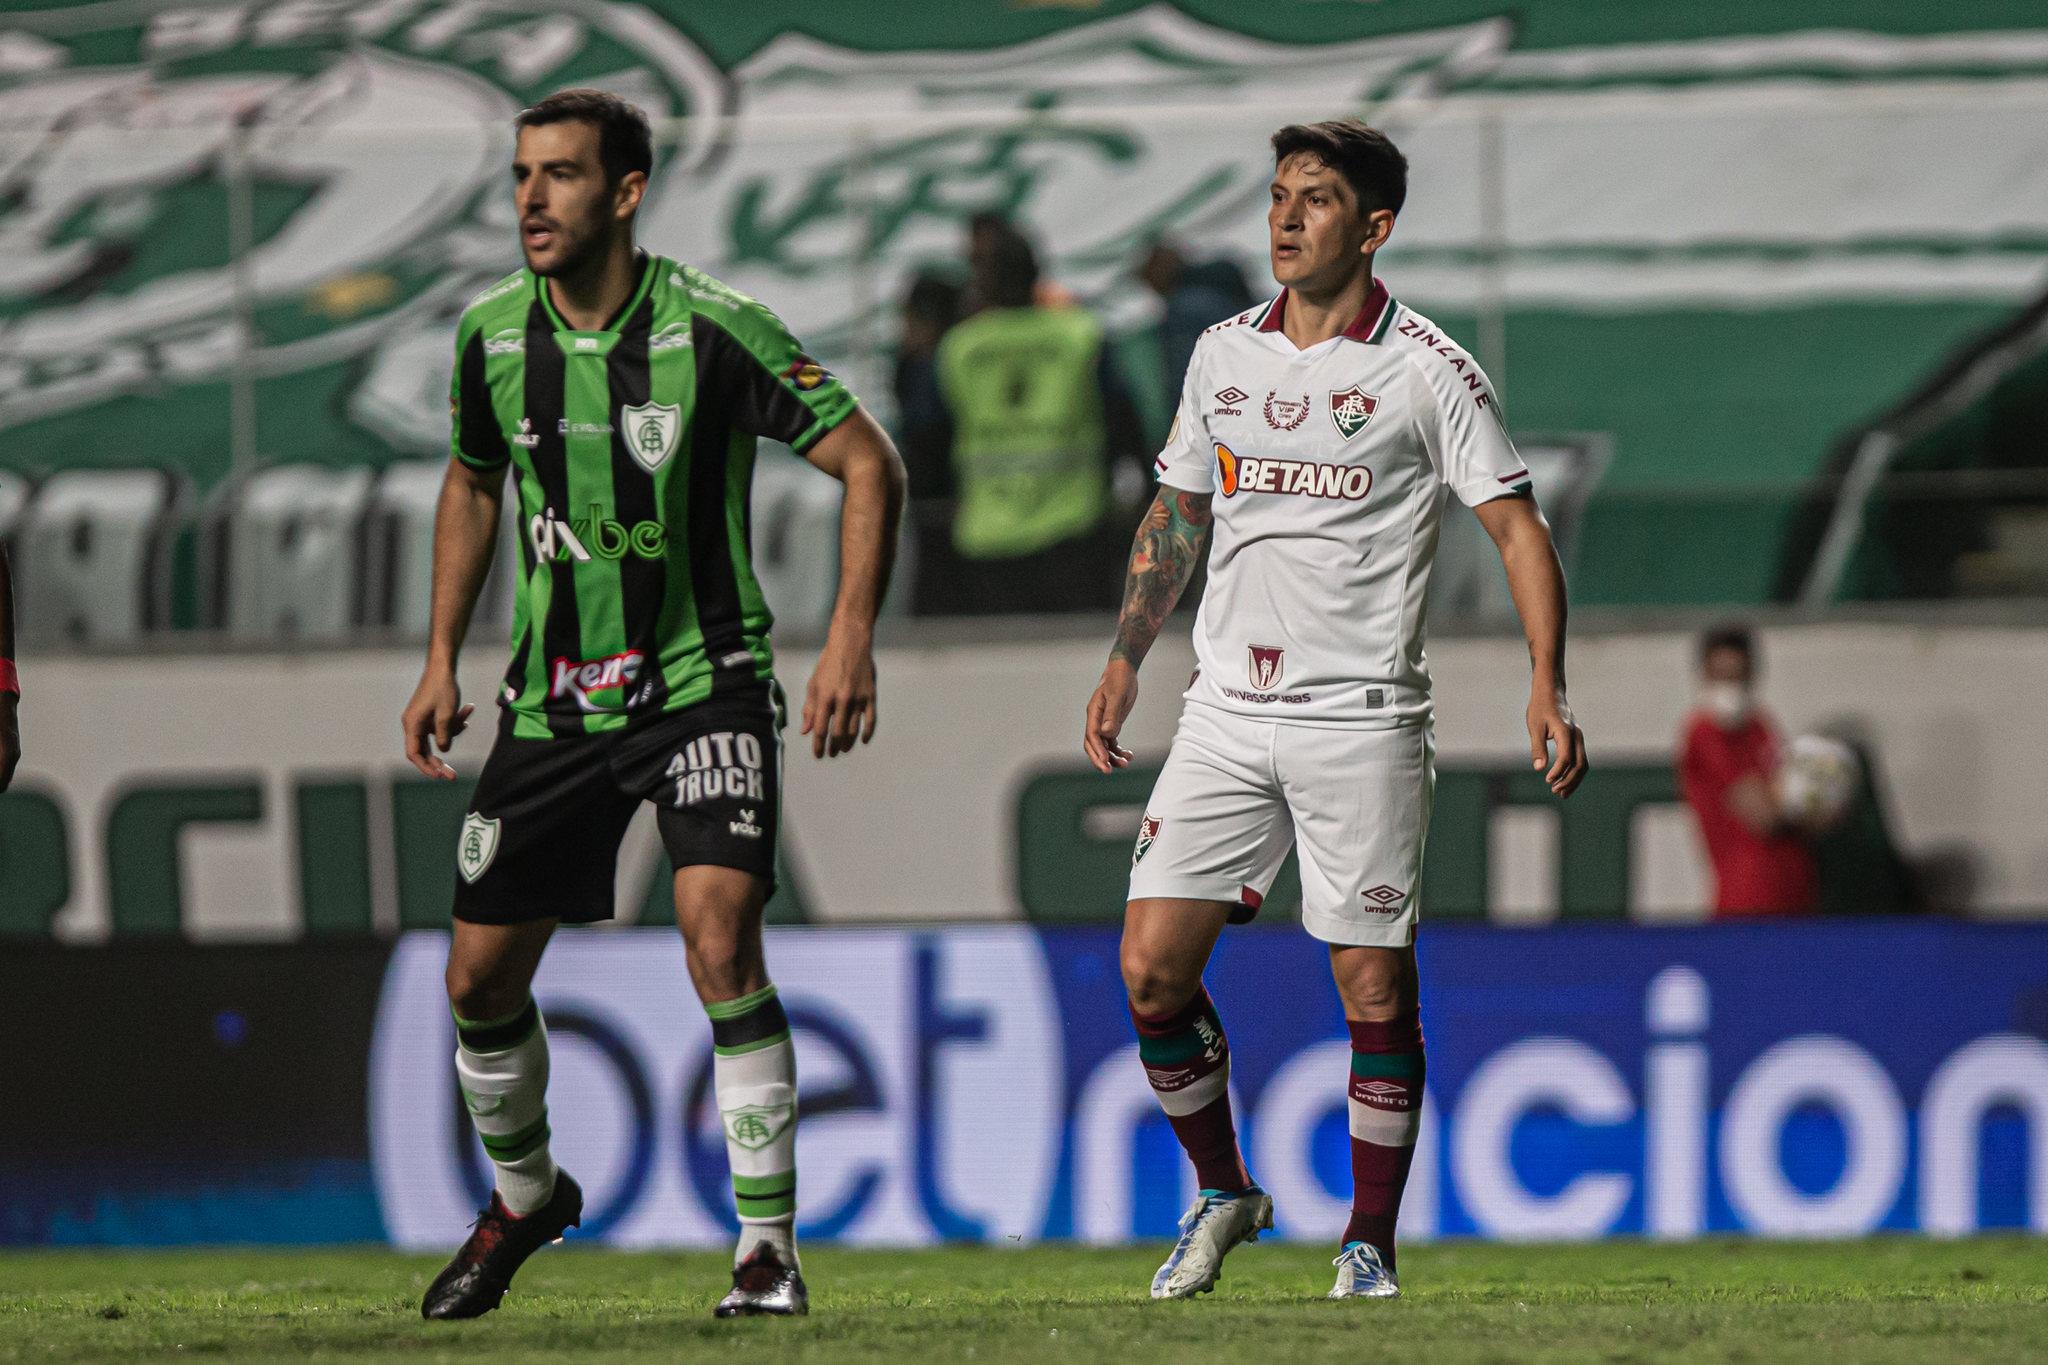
(1762, 855)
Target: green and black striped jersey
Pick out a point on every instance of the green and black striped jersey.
(633, 449)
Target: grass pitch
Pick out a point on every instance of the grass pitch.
(1884, 1300)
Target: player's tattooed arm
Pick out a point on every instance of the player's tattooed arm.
(1163, 557)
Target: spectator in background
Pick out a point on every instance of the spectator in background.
(1763, 858)
(988, 232)
(930, 308)
(1197, 295)
(1037, 413)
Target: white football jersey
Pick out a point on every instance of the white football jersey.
(1328, 468)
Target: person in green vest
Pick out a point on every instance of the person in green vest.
(1037, 416)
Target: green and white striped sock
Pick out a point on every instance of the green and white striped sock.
(503, 1067)
(754, 1067)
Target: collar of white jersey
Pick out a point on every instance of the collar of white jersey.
(1369, 326)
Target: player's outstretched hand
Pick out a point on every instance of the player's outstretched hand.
(839, 705)
(436, 714)
(1556, 741)
(1111, 705)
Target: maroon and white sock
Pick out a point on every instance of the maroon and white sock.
(1187, 1060)
(1386, 1110)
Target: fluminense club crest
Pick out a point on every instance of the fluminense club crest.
(1264, 666)
(1351, 409)
(651, 431)
(1148, 830)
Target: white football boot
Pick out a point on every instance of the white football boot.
(1213, 1224)
(1361, 1274)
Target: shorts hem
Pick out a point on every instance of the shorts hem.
(1351, 933)
(527, 914)
(1222, 891)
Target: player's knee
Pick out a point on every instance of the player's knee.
(477, 993)
(1153, 984)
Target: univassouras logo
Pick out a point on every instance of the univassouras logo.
(1305, 478)
(596, 536)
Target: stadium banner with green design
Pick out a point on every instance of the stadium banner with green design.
(238, 234)
(982, 1085)
(264, 797)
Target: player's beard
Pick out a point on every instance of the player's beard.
(582, 247)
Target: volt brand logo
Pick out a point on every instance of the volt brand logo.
(744, 827)
(579, 678)
(1264, 663)
(596, 536)
(526, 438)
(1303, 478)
(723, 764)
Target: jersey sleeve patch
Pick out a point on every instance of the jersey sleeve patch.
(474, 437)
(772, 388)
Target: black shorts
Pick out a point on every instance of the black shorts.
(541, 840)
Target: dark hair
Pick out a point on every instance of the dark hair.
(1728, 635)
(1367, 159)
(932, 298)
(1012, 270)
(624, 141)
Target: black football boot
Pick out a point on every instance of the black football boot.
(475, 1281)
(763, 1285)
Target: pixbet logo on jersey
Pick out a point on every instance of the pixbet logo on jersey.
(1250, 474)
(578, 678)
(598, 534)
(725, 763)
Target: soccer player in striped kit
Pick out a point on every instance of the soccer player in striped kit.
(1318, 438)
(624, 392)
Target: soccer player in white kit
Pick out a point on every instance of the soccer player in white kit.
(1318, 438)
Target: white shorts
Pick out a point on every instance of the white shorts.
(1236, 792)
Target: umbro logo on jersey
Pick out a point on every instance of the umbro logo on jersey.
(1285, 414)
(1385, 897)
(1251, 474)
(1227, 402)
(526, 439)
(1351, 409)
(1383, 1094)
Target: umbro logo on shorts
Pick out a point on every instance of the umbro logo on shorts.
(1385, 897)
